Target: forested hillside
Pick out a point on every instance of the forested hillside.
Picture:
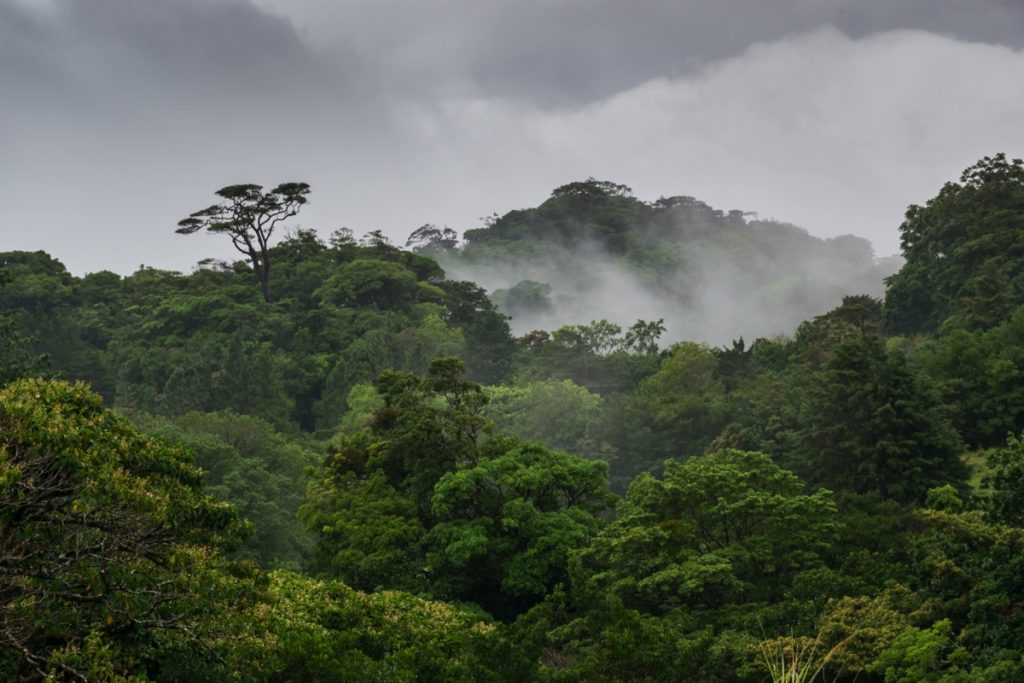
(711, 275)
(334, 460)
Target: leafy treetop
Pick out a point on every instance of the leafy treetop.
(249, 216)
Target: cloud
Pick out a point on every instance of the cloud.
(120, 117)
(835, 134)
(565, 52)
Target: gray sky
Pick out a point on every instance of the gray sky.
(119, 117)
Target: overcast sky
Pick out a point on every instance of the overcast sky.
(120, 117)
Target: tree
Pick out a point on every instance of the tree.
(299, 629)
(964, 257)
(489, 343)
(524, 299)
(979, 373)
(103, 534)
(857, 317)
(15, 358)
(429, 237)
(370, 283)
(249, 216)
(1006, 480)
(506, 525)
(682, 401)
(875, 425)
(247, 463)
(719, 529)
(642, 336)
(559, 414)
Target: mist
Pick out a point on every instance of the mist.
(712, 283)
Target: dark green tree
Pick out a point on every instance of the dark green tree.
(371, 500)
(248, 464)
(489, 342)
(249, 217)
(430, 238)
(367, 283)
(1006, 481)
(505, 527)
(874, 425)
(964, 256)
(16, 360)
(979, 373)
(681, 404)
(642, 336)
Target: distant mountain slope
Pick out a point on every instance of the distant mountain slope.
(592, 250)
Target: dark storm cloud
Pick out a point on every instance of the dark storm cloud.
(560, 52)
(114, 51)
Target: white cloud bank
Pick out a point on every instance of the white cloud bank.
(833, 134)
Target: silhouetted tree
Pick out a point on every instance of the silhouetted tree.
(249, 216)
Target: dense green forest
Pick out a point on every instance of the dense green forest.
(335, 460)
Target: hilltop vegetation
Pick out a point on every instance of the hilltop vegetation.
(366, 476)
(711, 275)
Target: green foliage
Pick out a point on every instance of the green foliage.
(720, 564)
(420, 501)
(964, 264)
(561, 415)
(857, 318)
(978, 373)
(365, 283)
(428, 238)
(719, 529)
(296, 629)
(16, 361)
(524, 299)
(489, 345)
(427, 427)
(161, 343)
(972, 568)
(362, 404)
(103, 533)
(247, 463)
(371, 501)
(1006, 483)
(368, 534)
(590, 210)
(876, 426)
(505, 526)
(609, 643)
(643, 336)
(792, 660)
(944, 498)
(916, 655)
(596, 355)
(680, 409)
